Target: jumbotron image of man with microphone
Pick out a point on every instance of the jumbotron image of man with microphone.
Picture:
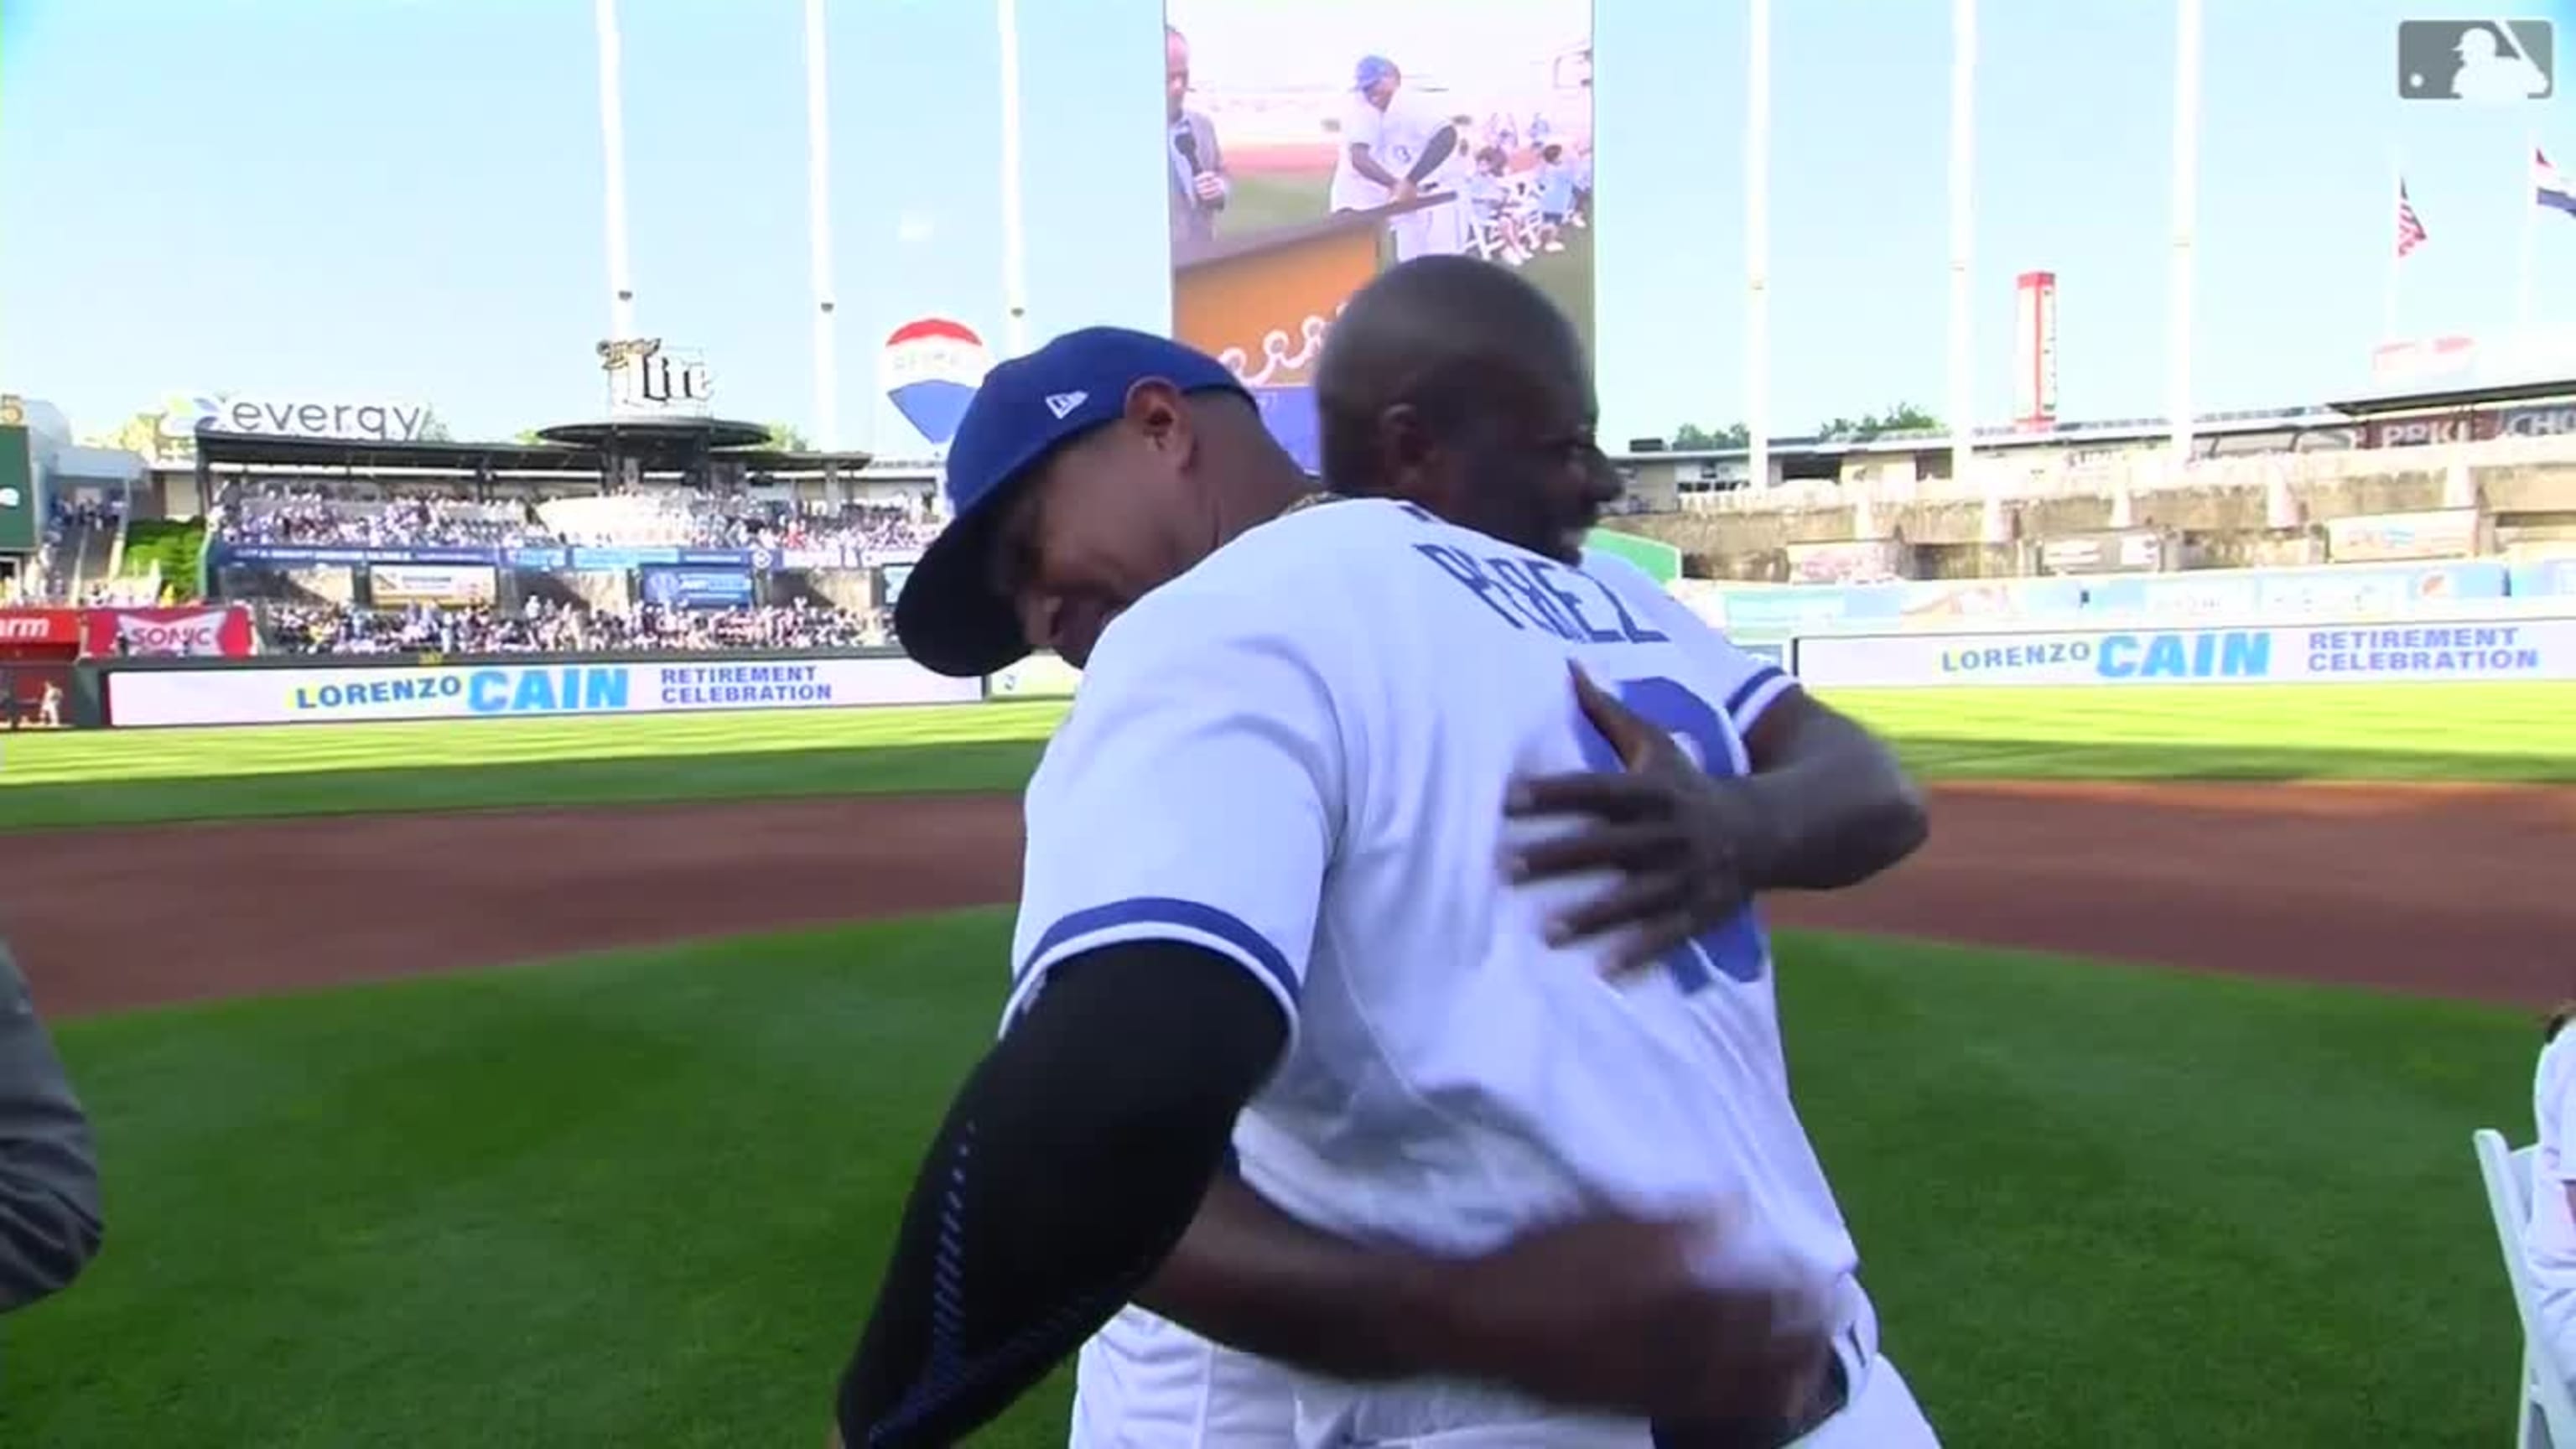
(1199, 186)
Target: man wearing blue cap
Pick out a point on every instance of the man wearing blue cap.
(1276, 809)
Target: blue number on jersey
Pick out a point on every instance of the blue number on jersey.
(1735, 948)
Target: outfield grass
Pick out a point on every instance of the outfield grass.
(2454, 732)
(2288, 732)
(139, 776)
(641, 1199)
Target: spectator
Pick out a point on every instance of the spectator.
(49, 1208)
(300, 514)
(558, 629)
(2549, 1238)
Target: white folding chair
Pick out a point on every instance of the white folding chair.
(2544, 1412)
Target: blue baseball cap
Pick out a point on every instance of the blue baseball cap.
(1371, 70)
(949, 617)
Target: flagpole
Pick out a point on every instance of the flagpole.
(1757, 243)
(2186, 225)
(1963, 233)
(612, 146)
(2396, 255)
(1015, 261)
(2530, 233)
(818, 223)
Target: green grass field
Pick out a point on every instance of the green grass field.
(641, 1198)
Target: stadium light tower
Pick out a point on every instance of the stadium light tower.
(2186, 222)
(1963, 236)
(612, 136)
(1757, 243)
(1015, 251)
(818, 228)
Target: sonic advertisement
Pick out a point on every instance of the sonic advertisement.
(316, 696)
(2425, 652)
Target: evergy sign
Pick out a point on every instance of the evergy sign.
(382, 422)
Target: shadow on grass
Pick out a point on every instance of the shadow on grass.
(1936, 758)
(637, 779)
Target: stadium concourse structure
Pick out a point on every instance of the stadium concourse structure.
(584, 456)
(1666, 478)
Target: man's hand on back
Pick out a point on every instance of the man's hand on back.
(1690, 848)
(1622, 1314)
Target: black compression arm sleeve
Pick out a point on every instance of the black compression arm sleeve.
(1069, 1166)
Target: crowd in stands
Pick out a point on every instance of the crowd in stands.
(540, 627)
(359, 516)
(279, 515)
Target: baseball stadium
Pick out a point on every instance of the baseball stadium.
(496, 1040)
(514, 915)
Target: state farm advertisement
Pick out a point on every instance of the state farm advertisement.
(215, 632)
(57, 628)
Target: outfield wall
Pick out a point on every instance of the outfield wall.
(307, 690)
(2153, 600)
(2411, 651)
(336, 689)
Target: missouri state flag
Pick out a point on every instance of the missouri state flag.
(2549, 189)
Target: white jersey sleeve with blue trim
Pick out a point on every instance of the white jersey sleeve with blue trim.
(1192, 795)
(1751, 685)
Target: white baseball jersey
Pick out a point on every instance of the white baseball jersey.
(1395, 138)
(1295, 756)
(2549, 1237)
(1145, 1382)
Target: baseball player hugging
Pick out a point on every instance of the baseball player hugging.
(1286, 904)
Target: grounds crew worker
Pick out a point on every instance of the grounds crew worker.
(49, 1223)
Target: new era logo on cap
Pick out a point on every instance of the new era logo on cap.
(950, 616)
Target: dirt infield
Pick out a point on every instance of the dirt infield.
(2457, 892)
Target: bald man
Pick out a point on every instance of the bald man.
(1159, 970)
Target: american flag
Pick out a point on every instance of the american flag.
(2410, 227)
(2549, 187)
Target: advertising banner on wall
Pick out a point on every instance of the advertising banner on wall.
(2290, 654)
(222, 631)
(447, 585)
(2119, 551)
(1850, 561)
(53, 628)
(2396, 537)
(1307, 146)
(680, 588)
(320, 695)
(2461, 426)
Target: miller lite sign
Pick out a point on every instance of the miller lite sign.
(646, 381)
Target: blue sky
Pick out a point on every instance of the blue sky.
(399, 199)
